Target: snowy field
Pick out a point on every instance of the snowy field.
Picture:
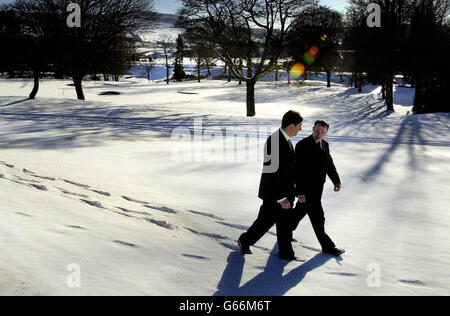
(95, 199)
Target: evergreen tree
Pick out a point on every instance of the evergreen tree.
(178, 69)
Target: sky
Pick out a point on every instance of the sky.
(170, 6)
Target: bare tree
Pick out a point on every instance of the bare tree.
(100, 39)
(148, 65)
(199, 50)
(257, 28)
(167, 43)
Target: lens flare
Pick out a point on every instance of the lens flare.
(310, 56)
(297, 71)
(314, 50)
(324, 37)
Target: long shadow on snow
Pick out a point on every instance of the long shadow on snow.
(47, 131)
(411, 130)
(270, 282)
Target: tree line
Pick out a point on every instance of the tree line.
(251, 37)
(37, 39)
(256, 37)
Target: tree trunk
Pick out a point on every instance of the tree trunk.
(383, 91)
(36, 75)
(208, 66)
(241, 71)
(167, 68)
(390, 92)
(328, 79)
(360, 82)
(78, 86)
(251, 98)
(198, 69)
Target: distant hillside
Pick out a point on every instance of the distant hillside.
(149, 31)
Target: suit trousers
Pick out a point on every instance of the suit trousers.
(313, 207)
(271, 213)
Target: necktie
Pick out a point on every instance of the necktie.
(290, 145)
(319, 145)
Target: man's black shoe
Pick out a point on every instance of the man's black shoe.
(245, 249)
(334, 252)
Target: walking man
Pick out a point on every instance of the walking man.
(314, 163)
(277, 189)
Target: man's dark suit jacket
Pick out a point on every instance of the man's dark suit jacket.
(280, 184)
(313, 165)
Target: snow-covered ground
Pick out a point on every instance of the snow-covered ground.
(96, 189)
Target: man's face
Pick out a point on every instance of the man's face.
(294, 129)
(319, 132)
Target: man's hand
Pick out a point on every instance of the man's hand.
(285, 204)
(302, 199)
(337, 187)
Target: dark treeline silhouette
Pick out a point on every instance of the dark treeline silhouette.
(250, 32)
(255, 34)
(36, 38)
(252, 38)
(413, 40)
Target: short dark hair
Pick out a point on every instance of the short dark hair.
(322, 123)
(291, 117)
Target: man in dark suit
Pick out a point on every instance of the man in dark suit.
(277, 189)
(314, 163)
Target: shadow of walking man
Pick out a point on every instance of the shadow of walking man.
(270, 282)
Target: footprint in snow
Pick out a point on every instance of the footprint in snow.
(134, 200)
(194, 257)
(162, 224)
(206, 215)
(74, 194)
(27, 171)
(134, 212)
(76, 227)
(123, 243)
(77, 184)
(161, 209)
(101, 192)
(39, 187)
(27, 180)
(42, 177)
(23, 214)
(93, 203)
(413, 282)
(213, 236)
(6, 164)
